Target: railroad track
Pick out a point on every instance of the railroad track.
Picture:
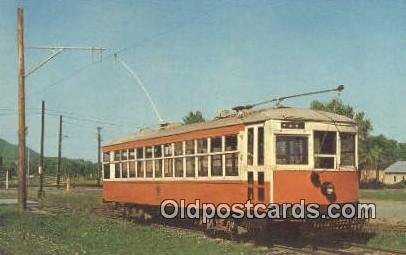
(272, 246)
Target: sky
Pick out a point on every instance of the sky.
(197, 56)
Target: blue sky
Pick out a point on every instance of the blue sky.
(199, 55)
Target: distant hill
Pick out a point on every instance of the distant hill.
(9, 151)
(73, 167)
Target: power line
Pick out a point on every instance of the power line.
(168, 31)
(70, 115)
(132, 46)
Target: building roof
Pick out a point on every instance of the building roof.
(397, 167)
(281, 113)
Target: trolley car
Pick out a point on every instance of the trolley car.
(274, 155)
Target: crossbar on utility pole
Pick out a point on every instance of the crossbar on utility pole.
(65, 48)
(40, 64)
(22, 188)
(56, 51)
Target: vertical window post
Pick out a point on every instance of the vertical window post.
(223, 156)
(260, 146)
(184, 158)
(196, 160)
(209, 158)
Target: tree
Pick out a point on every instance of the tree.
(337, 106)
(402, 151)
(193, 117)
(375, 152)
(369, 156)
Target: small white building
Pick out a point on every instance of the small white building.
(395, 173)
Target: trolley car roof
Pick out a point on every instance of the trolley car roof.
(282, 113)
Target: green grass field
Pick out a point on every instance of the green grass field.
(383, 194)
(78, 230)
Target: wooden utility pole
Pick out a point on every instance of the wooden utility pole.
(58, 170)
(99, 169)
(22, 188)
(41, 158)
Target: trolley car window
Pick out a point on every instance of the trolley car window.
(291, 150)
(149, 168)
(190, 147)
(347, 149)
(157, 151)
(131, 154)
(178, 148)
(124, 168)
(116, 155)
(178, 167)
(324, 162)
(250, 146)
(168, 167)
(260, 160)
(158, 168)
(140, 169)
(148, 152)
(324, 149)
(140, 153)
(117, 170)
(190, 167)
(106, 171)
(261, 188)
(132, 169)
(106, 156)
(231, 143)
(324, 142)
(203, 166)
(216, 165)
(202, 145)
(261, 178)
(216, 144)
(124, 154)
(168, 150)
(232, 164)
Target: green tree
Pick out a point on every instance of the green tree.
(193, 117)
(402, 151)
(375, 152)
(337, 106)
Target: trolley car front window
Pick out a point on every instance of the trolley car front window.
(347, 149)
(291, 150)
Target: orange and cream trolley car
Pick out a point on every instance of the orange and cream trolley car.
(274, 155)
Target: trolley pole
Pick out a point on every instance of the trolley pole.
(58, 170)
(22, 188)
(41, 158)
(99, 169)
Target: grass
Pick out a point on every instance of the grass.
(383, 194)
(28, 233)
(77, 230)
(50, 181)
(389, 240)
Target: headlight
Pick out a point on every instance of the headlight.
(330, 189)
(327, 188)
